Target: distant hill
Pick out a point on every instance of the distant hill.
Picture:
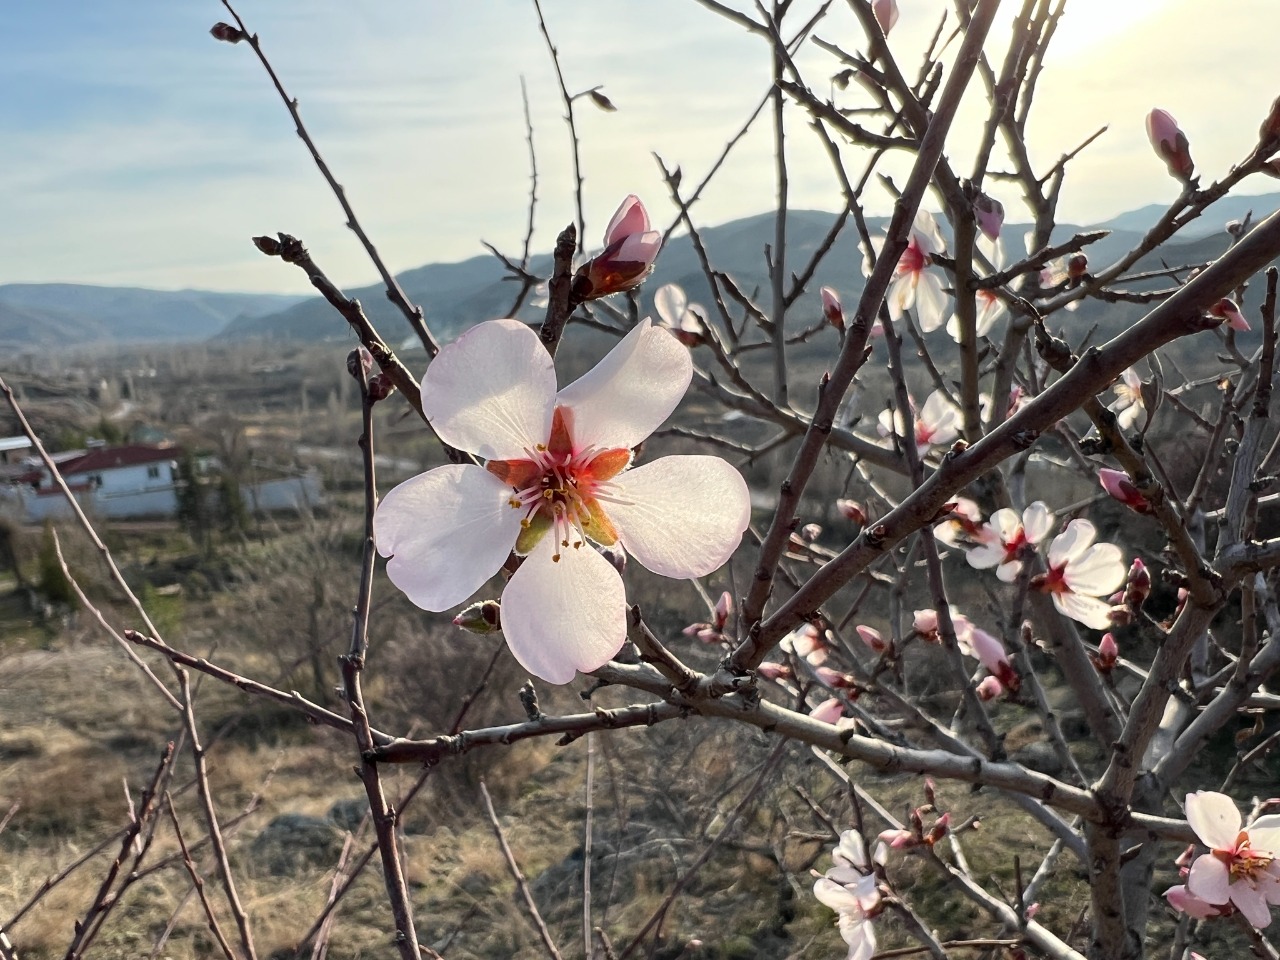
(456, 295)
(45, 315)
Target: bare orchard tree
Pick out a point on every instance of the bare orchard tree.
(943, 433)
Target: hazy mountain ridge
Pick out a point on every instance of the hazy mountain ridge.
(456, 295)
(53, 315)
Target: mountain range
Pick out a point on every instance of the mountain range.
(455, 295)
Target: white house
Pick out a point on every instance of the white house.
(136, 480)
(140, 480)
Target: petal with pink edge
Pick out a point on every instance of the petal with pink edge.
(1215, 819)
(564, 616)
(1090, 611)
(491, 391)
(1209, 879)
(680, 516)
(628, 394)
(446, 532)
(671, 302)
(1252, 903)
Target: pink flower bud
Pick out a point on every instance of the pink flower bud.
(1228, 310)
(989, 688)
(989, 213)
(939, 829)
(810, 532)
(886, 12)
(724, 610)
(831, 308)
(1170, 144)
(1108, 653)
(628, 256)
(773, 671)
(871, 637)
(1121, 488)
(852, 510)
(1138, 585)
(1077, 266)
(1032, 910)
(828, 711)
(925, 623)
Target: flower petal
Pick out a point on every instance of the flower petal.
(859, 935)
(1090, 611)
(836, 896)
(681, 516)
(563, 616)
(1215, 819)
(1209, 879)
(1099, 571)
(491, 391)
(628, 394)
(932, 304)
(1037, 521)
(1071, 542)
(446, 532)
(671, 302)
(1252, 903)
(1264, 834)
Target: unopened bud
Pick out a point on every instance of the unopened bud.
(851, 510)
(810, 532)
(1228, 310)
(227, 33)
(774, 671)
(601, 101)
(724, 609)
(831, 308)
(989, 214)
(480, 618)
(1120, 488)
(1077, 266)
(939, 829)
(379, 387)
(1138, 586)
(886, 12)
(872, 638)
(1170, 144)
(989, 688)
(1108, 653)
(268, 245)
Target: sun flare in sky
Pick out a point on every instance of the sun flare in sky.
(134, 149)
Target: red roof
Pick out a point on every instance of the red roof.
(109, 458)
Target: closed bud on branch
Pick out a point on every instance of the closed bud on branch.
(627, 258)
(268, 245)
(1119, 487)
(480, 618)
(989, 214)
(1228, 310)
(227, 33)
(1138, 585)
(1108, 654)
(831, 308)
(852, 511)
(886, 12)
(1170, 144)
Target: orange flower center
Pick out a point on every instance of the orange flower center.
(1243, 862)
(561, 490)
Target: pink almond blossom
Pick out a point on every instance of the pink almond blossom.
(1241, 867)
(1170, 144)
(849, 888)
(1007, 536)
(873, 639)
(630, 248)
(989, 214)
(556, 480)
(990, 652)
(806, 643)
(683, 319)
(963, 526)
(936, 423)
(989, 688)
(914, 284)
(1080, 573)
(1128, 405)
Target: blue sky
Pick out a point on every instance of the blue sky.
(136, 150)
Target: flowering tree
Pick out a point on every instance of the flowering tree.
(1034, 486)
